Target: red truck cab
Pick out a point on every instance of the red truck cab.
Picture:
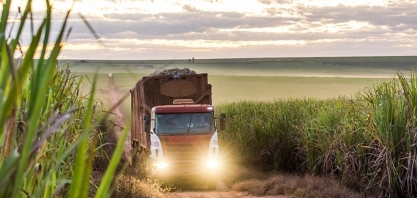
(184, 142)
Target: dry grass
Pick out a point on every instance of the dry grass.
(232, 174)
(130, 181)
(261, 184)
(299, 186)
(131, 186)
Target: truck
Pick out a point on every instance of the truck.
(174, 131)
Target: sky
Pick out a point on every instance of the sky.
(182, 29)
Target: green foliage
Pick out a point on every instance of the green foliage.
(48, 129)
(366, 141)
(393, 151)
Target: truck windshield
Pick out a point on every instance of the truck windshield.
(182, 123)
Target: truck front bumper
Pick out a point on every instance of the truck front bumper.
(184, 171)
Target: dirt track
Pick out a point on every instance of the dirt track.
(193, 192)
(119, 123)
(202, 194)
(221, 191)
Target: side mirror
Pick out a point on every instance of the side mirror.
(222, 122)
(223, 116)
(146, 118)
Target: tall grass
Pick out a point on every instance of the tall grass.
(48, 129)
(368, 141)
(393, 108)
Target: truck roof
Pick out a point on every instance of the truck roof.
(194, 108)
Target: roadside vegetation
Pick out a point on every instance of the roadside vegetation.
(367, 142)
(308, 186)
(53, 137)
(130, 185)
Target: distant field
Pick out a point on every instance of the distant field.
(367, 67)
(258, 79)
(267, 88)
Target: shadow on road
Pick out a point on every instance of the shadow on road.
(184, 185)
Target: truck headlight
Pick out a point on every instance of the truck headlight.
(161, 165)
(213, 163)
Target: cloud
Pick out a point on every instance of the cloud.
(316, 29)
(314, 49)
(276, 1)
(390, 15)
(397, 18)
(166, 24)
(189, 8)
(126, 35)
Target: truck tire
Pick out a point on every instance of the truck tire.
(145, 164)
(135, 158)
(140, 161)
(135, 154)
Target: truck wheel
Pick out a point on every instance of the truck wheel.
(135, 157)
(135, 154)
(145, 163)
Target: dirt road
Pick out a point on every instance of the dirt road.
(222, 191)
(119, 123)
(228, 194)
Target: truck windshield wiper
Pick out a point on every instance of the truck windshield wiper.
(189, 123)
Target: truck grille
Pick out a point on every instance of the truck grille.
(186, 153)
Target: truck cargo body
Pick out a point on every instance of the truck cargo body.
(167, 128)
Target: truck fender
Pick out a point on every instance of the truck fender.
(156, 147)
(214, 146)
